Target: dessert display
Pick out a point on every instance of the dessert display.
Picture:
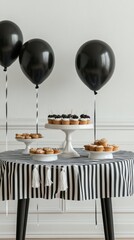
(28, 135)
(69, 119)
(69, 124)
(101, 145)
(101, 149)
(28, 139)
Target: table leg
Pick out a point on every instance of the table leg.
(22, 214)
(107, 214)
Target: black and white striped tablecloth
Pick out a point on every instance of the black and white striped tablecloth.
(85, 178)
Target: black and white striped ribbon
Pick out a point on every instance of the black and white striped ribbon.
(37, 110)
(95, 130)
(6, 108)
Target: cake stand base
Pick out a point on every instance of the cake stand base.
(68, 150)
(70, 154)
(100, 155)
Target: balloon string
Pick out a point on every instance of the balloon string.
(95, 116)
(6, 111)
(95, 212)
(37, 110)
(37, 215)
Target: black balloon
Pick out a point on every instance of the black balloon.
(36, 60)
(95, 63)
(11, 40)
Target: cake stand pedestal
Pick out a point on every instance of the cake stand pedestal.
(27, 143)
(68, 150)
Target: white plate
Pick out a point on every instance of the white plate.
(100, 155)
(28, 140)
(69, 127)
(45, 157)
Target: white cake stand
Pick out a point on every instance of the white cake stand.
(27, 143)
(100, 155)
(68, 150)
(45, 157)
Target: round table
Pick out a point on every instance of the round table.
(78, 179)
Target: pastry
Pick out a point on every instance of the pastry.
(57, 119)
(74, 120)
(115, 147)
(33, 150)
(51, 118)
(33, 135)
(18, 135)
(87, 147)
(97, 142)
(49, 151)
(65, 119)
(45, 150)
(93, 147)
(108, 148)
(28, 135)
(99, 148)
(88, 119)
(40, 151)
(103, 142)
(83, 119)
(56, 150)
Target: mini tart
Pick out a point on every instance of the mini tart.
(49, 151)
(34, 135)
(108, 148)
(93, 147)
(87, 147)
(97, 142)
(18, 136)
(40, 151)
(99, 148)
(115, 147)
(33, 150)
(103, 142)
(40, 135)
(28, 137)
(56, 150)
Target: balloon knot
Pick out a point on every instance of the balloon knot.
(95, 92)
(5, 69)
(36, 87)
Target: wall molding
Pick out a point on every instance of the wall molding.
(30, 123)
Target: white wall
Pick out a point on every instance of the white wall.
(66, 25)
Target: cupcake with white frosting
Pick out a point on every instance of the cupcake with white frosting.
(82, 119)
(74, 120)
(65, 119)
(57, 119)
